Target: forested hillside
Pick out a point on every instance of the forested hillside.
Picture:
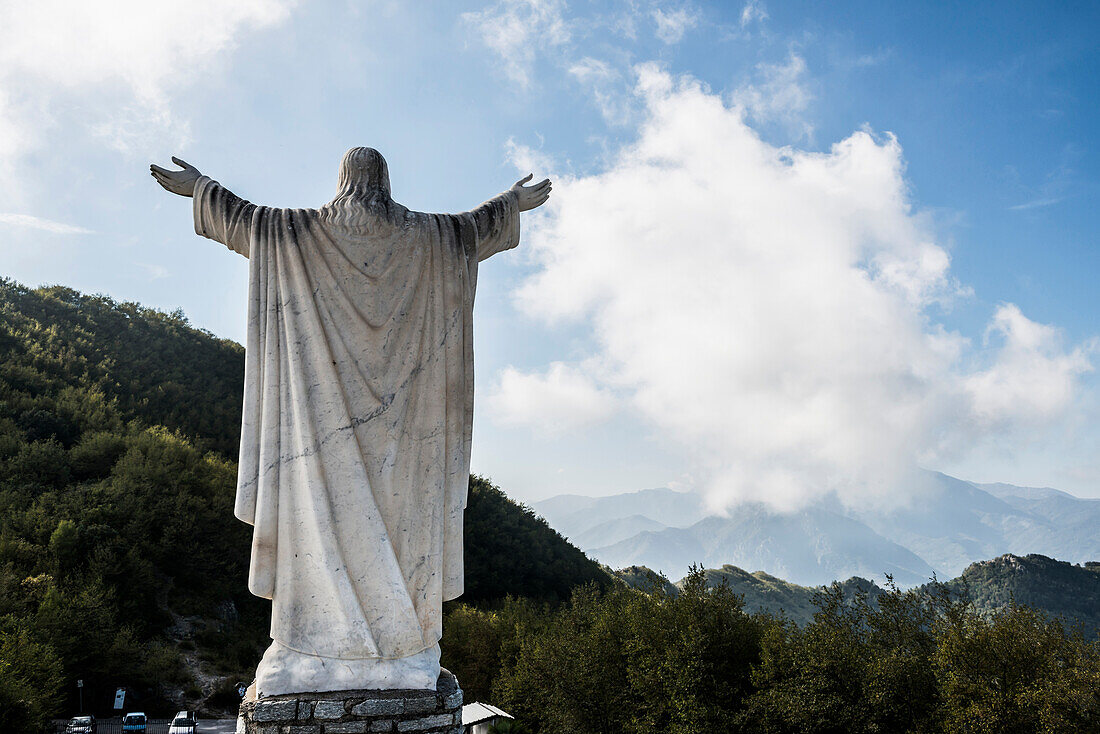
(765, 593)
(73, 362)
(697, 662)
(117, 432)
(121, 563)
(1058, 589)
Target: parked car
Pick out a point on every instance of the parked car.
(81, 725)
(183, 723)
(133, 723)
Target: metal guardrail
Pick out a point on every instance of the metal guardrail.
(114, 726)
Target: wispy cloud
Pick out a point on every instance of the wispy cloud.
(1036, 204)
(866, 60)
(1054, 187)
(154, 272)
(529, 160)
(26, 221)
(560, 399)
(516, 29)
(607, 87)
(753, 11)
(115, 64)
(778, 93)
(673, 24)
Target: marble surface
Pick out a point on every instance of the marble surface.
(283, 671)
(355, 444)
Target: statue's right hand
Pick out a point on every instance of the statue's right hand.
(531, 197)
(178, 182)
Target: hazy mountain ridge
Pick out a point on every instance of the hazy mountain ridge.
(573, 514)
(618, 530)
(953, 524)
(830, 546)
(1056, 588)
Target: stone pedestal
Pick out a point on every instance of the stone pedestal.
(356, 712)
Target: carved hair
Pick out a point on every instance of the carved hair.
(363, 195)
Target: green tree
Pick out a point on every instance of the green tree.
(30, 679)
(1016, 672)
(811, 680)
(511, 551)
(899, 679)
(691, 657)
(623, 660)
(478, 643)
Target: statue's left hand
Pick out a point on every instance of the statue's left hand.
(178, 182)
(531, 196)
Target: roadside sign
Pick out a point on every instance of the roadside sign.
(120, 698)
(79, 683)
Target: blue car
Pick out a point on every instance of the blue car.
(133, 723)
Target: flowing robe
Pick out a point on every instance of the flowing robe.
(355, 440)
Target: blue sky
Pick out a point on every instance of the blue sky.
(869, 235)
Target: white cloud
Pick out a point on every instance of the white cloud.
(607, 88)
(1034, 204)
(589, 70)
(769, 309)
(779, 94)
(153, 271)
(673, 24)
(110, 66)
(139, 44)
(516, 29)
(559, 400)
(753, 10)
(14, 137)
(528, 160)
(1033, 379)
(27, 221)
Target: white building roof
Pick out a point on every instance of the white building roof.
(476, 712)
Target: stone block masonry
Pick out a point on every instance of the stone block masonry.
(357, 712)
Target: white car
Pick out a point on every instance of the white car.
(184, 723)
(81, 725)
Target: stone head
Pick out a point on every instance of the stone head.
(363, 174)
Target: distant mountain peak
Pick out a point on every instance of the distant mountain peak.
(940, 533)
(1056, 588)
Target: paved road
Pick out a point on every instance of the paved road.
(160, 726)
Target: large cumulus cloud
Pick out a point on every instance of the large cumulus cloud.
(773, 311)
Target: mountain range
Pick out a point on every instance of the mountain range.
(1059, 589)
(952, 524)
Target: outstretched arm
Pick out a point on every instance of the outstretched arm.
(220, 214)
(497, 220)
(178, 182)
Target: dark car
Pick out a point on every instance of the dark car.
(81, 725)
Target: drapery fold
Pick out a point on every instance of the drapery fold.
(355, 440)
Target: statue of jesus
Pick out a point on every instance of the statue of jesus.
(355, 440)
